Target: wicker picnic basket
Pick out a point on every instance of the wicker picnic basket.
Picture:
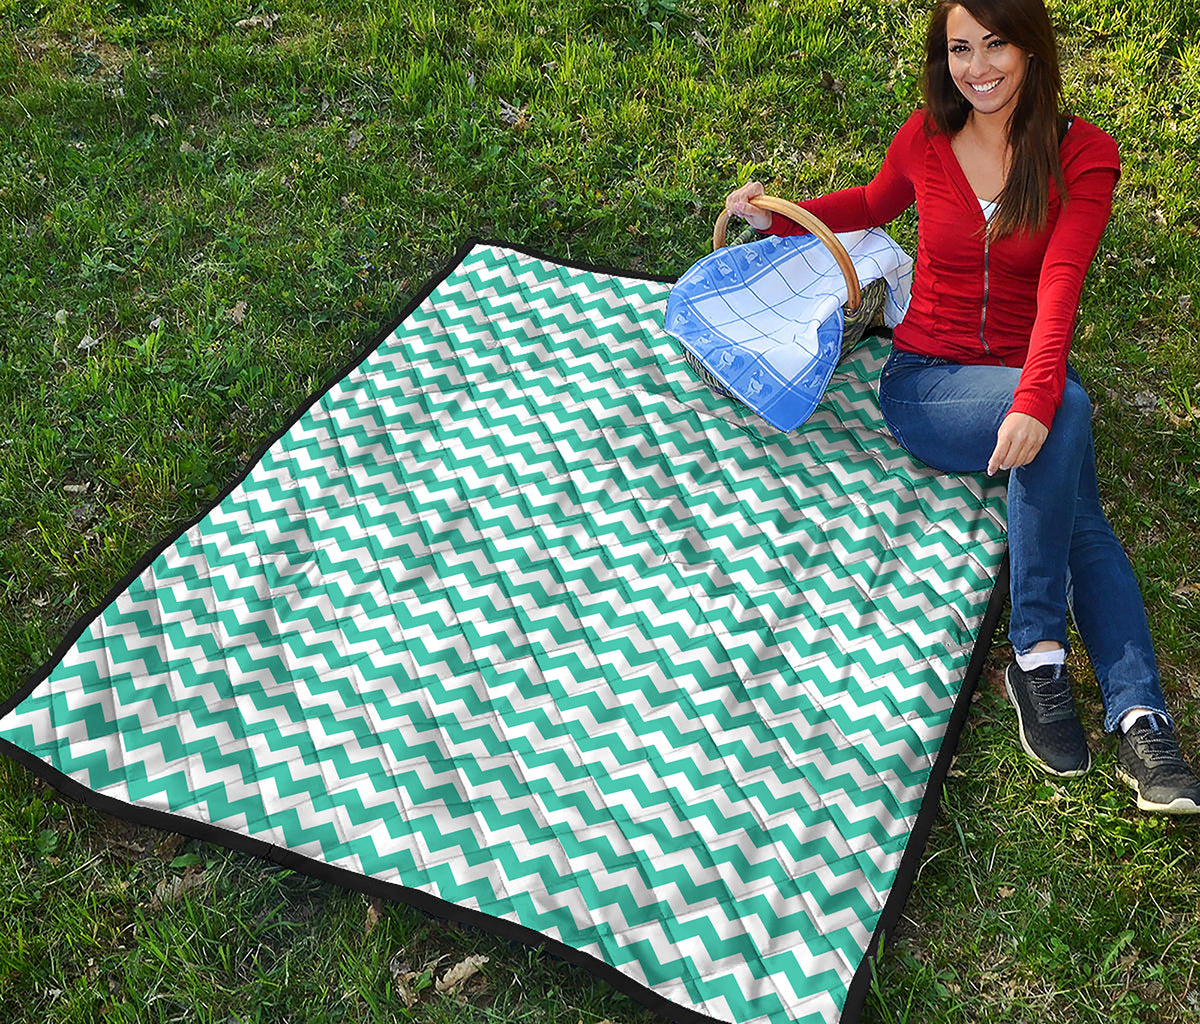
(862, 310)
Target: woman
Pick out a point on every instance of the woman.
(1012, 198)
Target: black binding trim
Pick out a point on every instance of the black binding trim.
(433, 905)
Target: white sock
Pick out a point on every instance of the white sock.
(1028, 662)
(1130, 717)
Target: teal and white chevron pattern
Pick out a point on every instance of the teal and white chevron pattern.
(519, 614)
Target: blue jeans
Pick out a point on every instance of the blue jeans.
(1062, 551)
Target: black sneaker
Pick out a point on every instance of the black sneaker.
(1149, 760)
(1051, 732)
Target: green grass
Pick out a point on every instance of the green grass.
(229, 212)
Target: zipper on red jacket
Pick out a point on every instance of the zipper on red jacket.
(983, 309)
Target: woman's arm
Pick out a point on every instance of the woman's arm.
(1072, 246)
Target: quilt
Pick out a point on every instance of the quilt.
(519, 622)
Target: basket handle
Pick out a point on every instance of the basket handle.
(805, 219)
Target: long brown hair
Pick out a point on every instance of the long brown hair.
(1036, 125)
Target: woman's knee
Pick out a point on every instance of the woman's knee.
(1076, 402)
(1073, 421)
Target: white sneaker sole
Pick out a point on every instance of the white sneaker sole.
(1180, 805)
(1073, 773)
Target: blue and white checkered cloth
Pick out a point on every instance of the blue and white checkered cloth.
(766, 318)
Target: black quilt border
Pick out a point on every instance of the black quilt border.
(164, 820)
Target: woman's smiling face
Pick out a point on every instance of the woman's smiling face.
(987, 69)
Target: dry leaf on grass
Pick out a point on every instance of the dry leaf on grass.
(404, 988)
(258, 21)
(374, 913)
(1183, 418)
(460, 972)
(170, 889)
(405, 979)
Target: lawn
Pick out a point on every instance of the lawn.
(206, 207)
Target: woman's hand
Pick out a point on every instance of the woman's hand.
(1018, 440)
(737, 203)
